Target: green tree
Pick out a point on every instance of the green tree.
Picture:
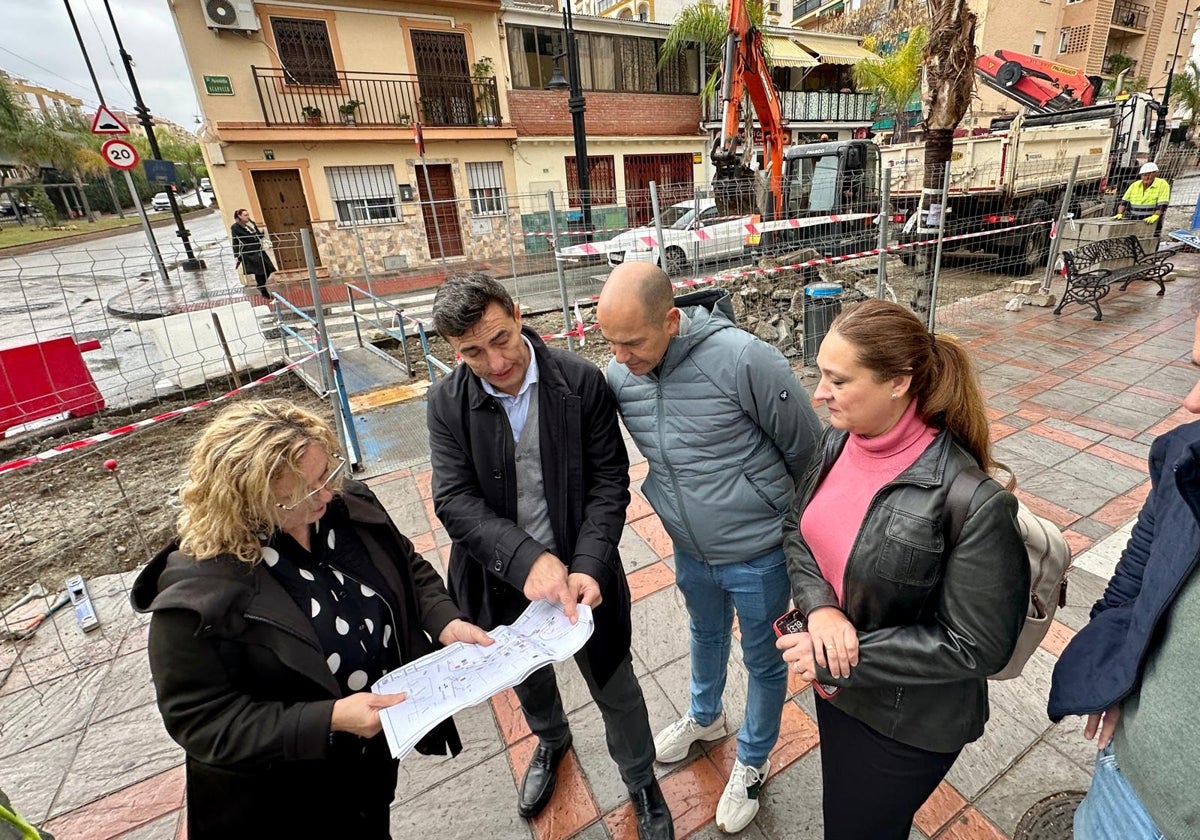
(707, 25)
(1185, 88)
(895, 78)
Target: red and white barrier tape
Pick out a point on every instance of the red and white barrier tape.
(550, 234)
(142, 424)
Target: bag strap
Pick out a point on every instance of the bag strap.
(958, 501)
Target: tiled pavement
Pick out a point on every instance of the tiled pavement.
(1074, 405)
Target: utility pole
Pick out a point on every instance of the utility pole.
(191, 263)
(141, 211)
(1160, 128)
(577, 106)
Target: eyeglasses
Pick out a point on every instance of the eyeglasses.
(334, 472)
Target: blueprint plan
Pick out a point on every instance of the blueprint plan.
(461, 675)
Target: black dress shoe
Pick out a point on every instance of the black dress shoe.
(653, 816)
(537, 785)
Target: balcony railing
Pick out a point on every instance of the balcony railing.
(1130, 15)
(1107, 68)
(814, 106)
(384, 99)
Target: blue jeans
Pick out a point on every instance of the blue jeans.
(1111, 810)
(758, 589)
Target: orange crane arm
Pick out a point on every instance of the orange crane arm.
(744, 70)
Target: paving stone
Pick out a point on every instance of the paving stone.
(31, 778)
(791, 801)
(992, 381)
(711, 832)
(1004, 739)
(1085, 390)
(1101, 559)
(1023, 468)
(124, 810)
(1004, 402)
(660, 627)
(595, 831)
(163, 828)
(1129, 447)
(1076, 495)
(1135, 421)
(35, 716)
(404, 504)
(674, 679)
(591, 747)
(1143, 404)
(1113, 477)
(807, 701)
(1066, 736)
(1125, 369)
(1039, 773)
(479, 802)
(1171, 380)
(127, 686)
(1091, 528)
(1064, 402)
(635, 553)
(1075, 429)
(116, 753)
(1083, 590)
(1057, 355)
(481, 740)
(1024, 698)
(1014, 372)
(1033, 447)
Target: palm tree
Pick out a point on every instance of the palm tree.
(1186, 89)
(949, 61)
(895, 77)
(707, 25)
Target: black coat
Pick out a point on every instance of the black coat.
(585, 469)
(248, 249)
(244, 688)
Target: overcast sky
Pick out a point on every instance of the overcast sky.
(36, 43)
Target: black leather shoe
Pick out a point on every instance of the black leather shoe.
(653, 816)
(537, 785)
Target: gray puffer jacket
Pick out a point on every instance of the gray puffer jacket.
(727, 431)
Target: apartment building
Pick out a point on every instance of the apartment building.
(309, 122)
(43, 100)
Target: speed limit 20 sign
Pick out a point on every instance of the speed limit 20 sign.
(119, 153)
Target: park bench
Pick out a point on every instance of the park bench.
(1093, 269)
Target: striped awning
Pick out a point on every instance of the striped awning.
(784, 53)
(830, 49)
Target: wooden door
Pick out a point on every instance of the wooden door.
(285, 213)
(671, 173)
(438, 197)
(444, 76)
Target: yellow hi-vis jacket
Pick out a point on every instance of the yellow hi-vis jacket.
(1145, 201)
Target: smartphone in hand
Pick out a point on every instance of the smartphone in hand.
(793, 621)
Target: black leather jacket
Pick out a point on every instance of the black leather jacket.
(932, 623)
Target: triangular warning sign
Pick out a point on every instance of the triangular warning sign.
(106, 122)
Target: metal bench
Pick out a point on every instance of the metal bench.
(1093, 269)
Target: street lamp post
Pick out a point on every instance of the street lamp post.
(1160, 129)
(576, 104)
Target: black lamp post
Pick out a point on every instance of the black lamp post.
(576, 104)
(1164, 108)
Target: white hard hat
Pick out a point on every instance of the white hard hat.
(1148, 167)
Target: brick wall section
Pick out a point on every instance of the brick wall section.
(538, 113)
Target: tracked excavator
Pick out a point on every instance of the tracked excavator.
(737, 188)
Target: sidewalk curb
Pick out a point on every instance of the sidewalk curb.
(91, 236)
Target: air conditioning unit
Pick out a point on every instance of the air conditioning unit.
(230, 14)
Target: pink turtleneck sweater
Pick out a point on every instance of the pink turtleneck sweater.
(831, 522)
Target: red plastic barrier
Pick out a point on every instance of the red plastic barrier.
(44, 379)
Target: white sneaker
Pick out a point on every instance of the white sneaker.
(739, 802)
(673, 743)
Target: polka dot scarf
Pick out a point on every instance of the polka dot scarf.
(352, 621)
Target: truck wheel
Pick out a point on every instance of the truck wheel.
(1034, 248)
(675, 261)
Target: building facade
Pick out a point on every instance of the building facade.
(309, 123)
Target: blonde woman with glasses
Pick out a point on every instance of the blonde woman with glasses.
(287, 594)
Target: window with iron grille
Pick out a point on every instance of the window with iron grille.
(485, 185)
(363, 194)
(602, 173)
(304, 51)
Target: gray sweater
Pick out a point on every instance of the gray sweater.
(727, 431)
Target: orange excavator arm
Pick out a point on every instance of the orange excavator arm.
(744, 71)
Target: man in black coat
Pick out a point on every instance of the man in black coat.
(531, 482)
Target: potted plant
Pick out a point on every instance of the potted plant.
(347, 109)
(312, 114)
(486, 101)
(404, 119)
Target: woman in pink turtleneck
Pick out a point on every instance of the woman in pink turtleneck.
(902, 630)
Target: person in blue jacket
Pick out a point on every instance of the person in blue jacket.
(1133, 669)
